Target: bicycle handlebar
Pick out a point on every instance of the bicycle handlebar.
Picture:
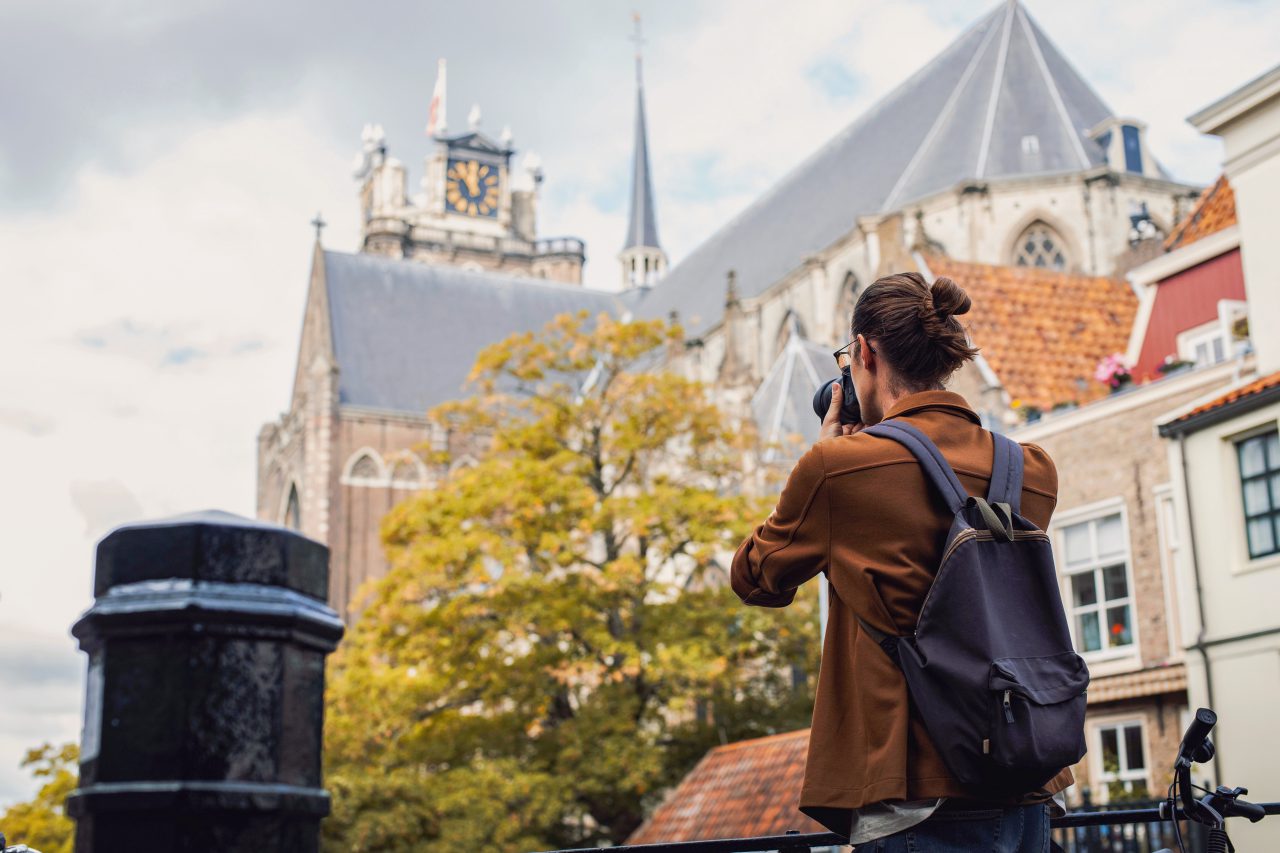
(1197, 734)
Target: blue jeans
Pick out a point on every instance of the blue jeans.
(1018, 829)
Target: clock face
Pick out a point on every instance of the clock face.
(472, 188)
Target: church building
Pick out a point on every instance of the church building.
(995, 163)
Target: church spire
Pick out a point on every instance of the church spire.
(643, 260)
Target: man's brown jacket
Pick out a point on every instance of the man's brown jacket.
(859, 509)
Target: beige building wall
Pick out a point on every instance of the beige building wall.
(1240, 628)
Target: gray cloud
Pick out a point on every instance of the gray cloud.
(89, 81)
(103, 504)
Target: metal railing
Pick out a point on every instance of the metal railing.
(1138, 829)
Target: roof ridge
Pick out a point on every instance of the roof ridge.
(984, 151)
(757, 741)
(943, 115)
(1072, 133)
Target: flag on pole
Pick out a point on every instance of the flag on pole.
(436, 121)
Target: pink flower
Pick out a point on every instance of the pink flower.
(1113, 370)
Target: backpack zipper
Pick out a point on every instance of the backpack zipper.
(1008, 707)
(964, 536)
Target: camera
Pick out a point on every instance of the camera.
(850, 413)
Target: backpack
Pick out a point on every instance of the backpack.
(990, 666)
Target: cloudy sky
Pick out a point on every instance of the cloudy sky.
(160, 162)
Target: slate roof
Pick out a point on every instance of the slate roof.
(405, 334)
(961, 117)
(642, 227)
(1043, 332)
(740, 790)
(1214, 212)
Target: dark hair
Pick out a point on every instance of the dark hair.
(914, 327)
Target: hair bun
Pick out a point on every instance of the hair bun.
(948, 298)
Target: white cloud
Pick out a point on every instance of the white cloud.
(155, 320)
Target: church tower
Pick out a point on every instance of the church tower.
(643, 261)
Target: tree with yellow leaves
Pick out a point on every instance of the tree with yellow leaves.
(556, 643)
(42, 823)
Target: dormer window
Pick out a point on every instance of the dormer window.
(1040, 246)
(1031, 144)
(1132, 148)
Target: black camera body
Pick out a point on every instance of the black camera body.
(850, 413)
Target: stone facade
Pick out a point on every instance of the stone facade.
(496, 229)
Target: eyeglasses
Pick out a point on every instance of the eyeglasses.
(843, 358)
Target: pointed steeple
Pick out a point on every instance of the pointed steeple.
(643, 261)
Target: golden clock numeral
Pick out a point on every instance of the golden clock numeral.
(484, 208)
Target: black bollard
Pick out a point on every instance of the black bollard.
(205, 697)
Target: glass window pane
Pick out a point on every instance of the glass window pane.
(1256, 499)
(1110, 751)
(1087, 628)
(1261, 537)
(1252, 458)
(1114, 583)
(1273, 450)
(1075, 542)
(1083, 589)
(1202, 353)
(1118, 633)
(1218, 353)
(1133, 748)
(1110, 536)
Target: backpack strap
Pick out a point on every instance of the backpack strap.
(1006, 472)
(887, 642)
(930, 458)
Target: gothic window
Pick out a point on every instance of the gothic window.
(849, 291)
(1040, 246)
(365, 469)
(293, 509)
(408, 473)
(791, 325)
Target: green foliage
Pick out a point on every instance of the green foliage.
(42, 823)
(556, 643)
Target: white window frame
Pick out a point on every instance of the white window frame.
(1080, 515)
(1098, 774)
(1206, 335)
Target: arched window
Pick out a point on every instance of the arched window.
(293, 509)
(791, 325)
(1040, 246)
(408, 472)
(365, 468)
(849, 291)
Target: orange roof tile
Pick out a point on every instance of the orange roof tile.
(1043, 332)
(1257, 386)
(739, 790)
(1215, 211)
